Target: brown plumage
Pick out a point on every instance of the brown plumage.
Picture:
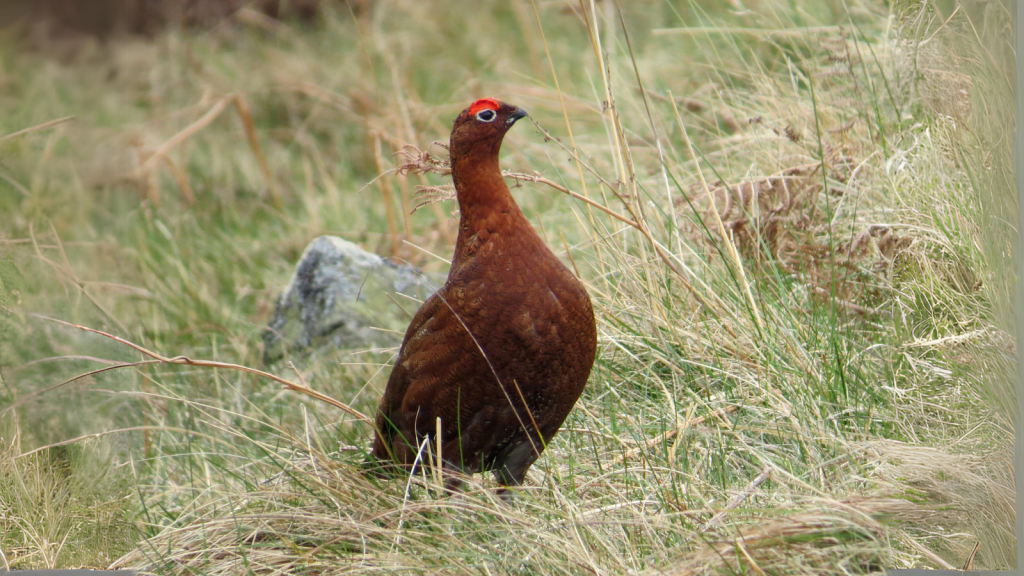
(511, 323)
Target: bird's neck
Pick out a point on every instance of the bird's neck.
(484, 199)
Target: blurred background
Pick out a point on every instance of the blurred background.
(791, 217)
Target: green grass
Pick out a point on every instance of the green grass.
(812, 380)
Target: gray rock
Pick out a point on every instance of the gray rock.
(339, 297)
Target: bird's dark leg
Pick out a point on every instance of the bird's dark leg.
(453, 485)
(516, 465)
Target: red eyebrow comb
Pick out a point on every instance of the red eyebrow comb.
(484, 104)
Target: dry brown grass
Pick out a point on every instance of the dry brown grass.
(776, 227)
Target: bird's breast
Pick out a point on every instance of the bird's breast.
(509, 282)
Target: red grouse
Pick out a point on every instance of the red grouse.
(503, 350)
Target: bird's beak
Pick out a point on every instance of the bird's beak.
(519, 113)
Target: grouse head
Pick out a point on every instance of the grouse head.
(479, 129)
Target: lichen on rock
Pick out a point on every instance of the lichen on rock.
(338, 298)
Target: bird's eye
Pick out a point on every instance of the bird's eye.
(485, 115)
